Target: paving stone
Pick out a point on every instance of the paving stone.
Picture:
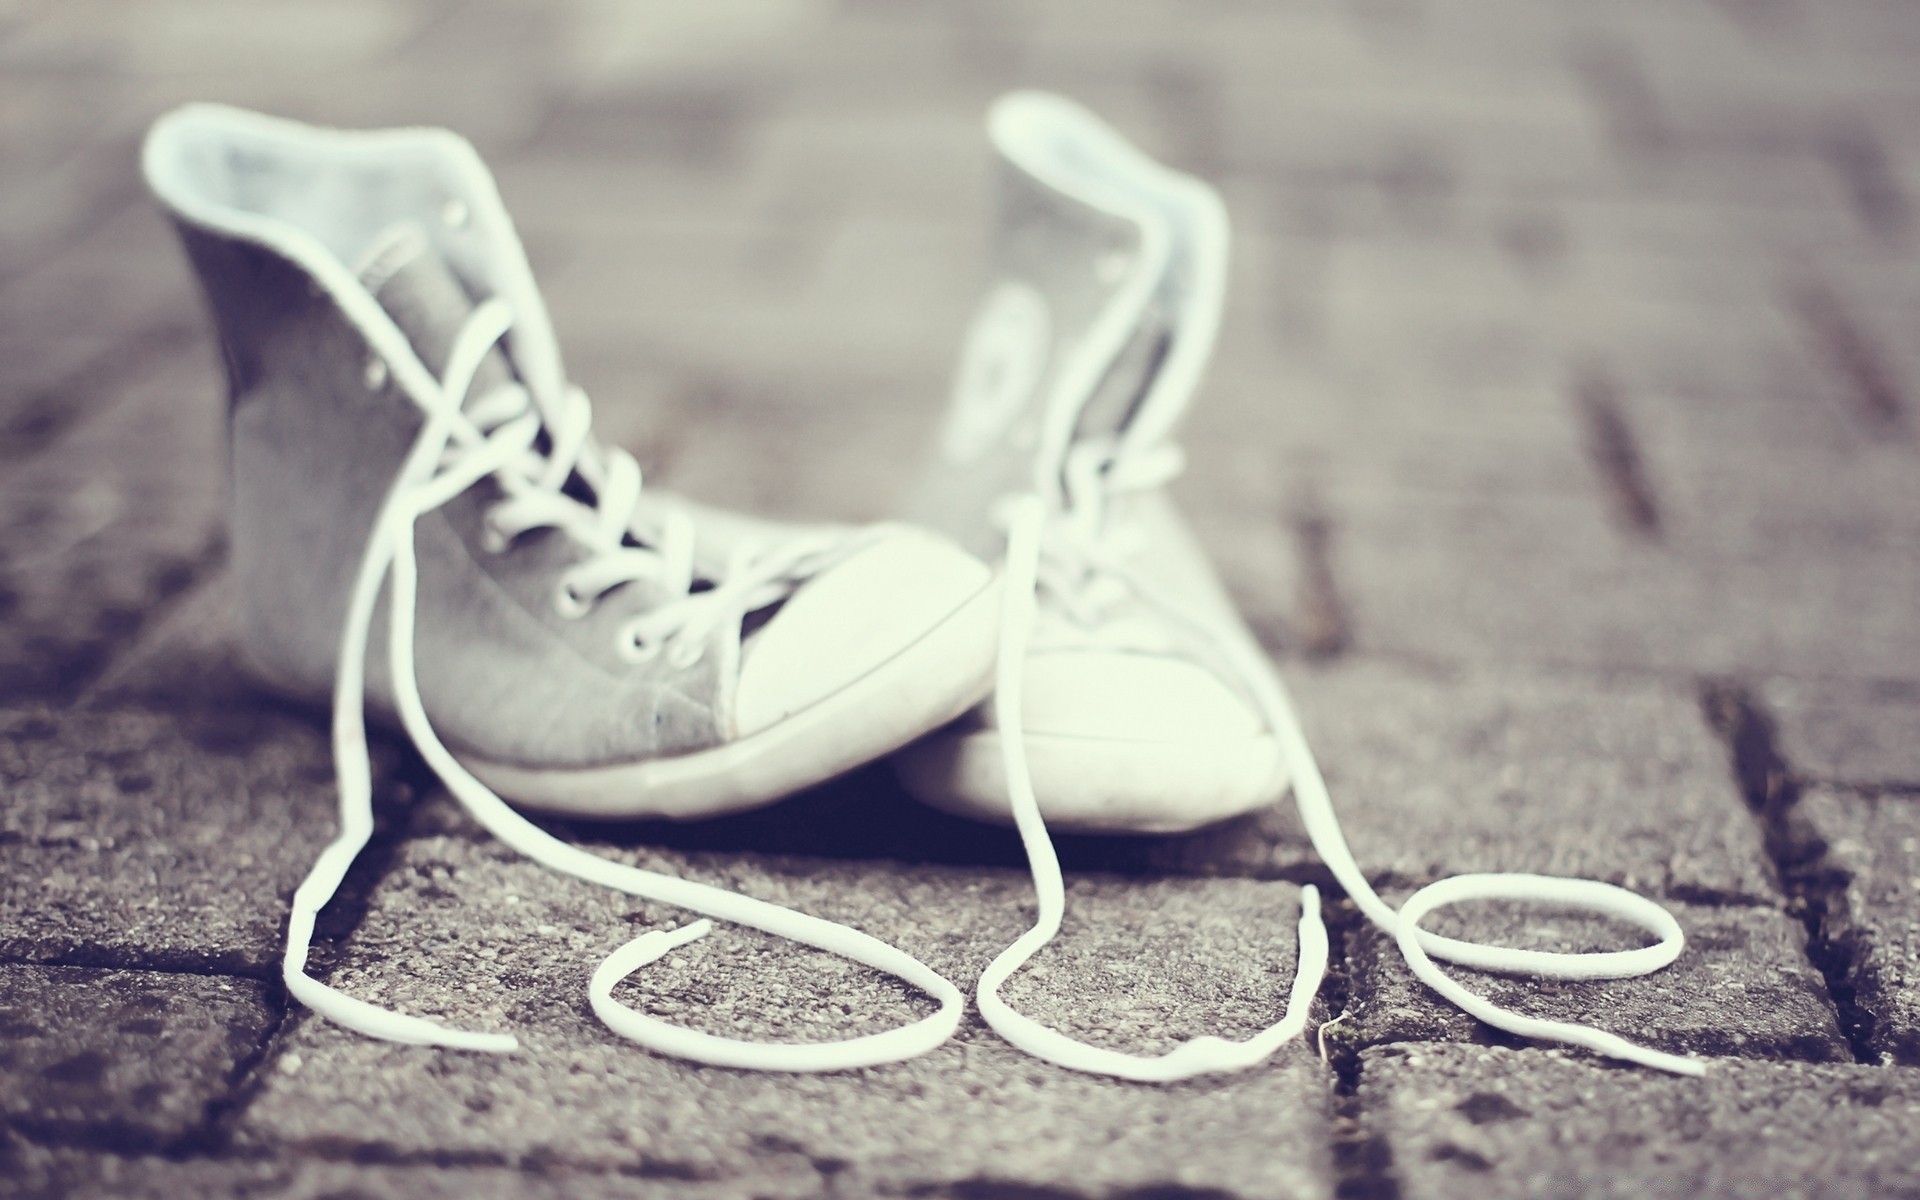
(85, 183)
(1477, 1121)
(767, 301)
(128, 274)
(1547, 582)
(866, 149)
(74, 1175)
(187, 659)
(1434, 773)
(1772, 511)
(44, 384)
(468, 932)
(1547, 142)
(1870, 875)
(1860, 734)
(1744, 988)
(212, 37)
(609, 45)
(166, 838)
(107, 524)
(131, 1058)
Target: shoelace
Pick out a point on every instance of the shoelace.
(1061, 551)
(496, 435)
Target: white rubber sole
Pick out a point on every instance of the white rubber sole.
(1094, 785)
(925, 686)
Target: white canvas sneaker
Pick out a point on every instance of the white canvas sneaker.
(1129, 696)
(552, 632)
(1101, 315)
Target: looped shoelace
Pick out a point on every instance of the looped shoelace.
(1060, 552)
(459, 445)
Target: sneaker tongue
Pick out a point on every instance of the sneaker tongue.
(416, 287)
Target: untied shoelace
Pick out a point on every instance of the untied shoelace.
(458, 445)
(1057, 546)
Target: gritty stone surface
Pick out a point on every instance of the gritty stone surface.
(473, 935)
(1436, 773)
(75, 1175)
(1859, 734)
(1743, 987)
(132, 1058)
(168, 838)
(1475, 1121)
(1869, 876)
(29, 1169)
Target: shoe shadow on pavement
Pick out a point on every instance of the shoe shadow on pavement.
(868, 815)
(865, 815)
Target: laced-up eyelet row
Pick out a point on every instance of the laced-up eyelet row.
(636, 647)
(632, 642)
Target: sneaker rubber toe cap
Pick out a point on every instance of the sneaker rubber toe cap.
(849, 620)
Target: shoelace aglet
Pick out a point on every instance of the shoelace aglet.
(648, 947)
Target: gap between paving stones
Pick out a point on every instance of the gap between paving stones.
(1870, 846)
(190, 896)
(1478, 1121)
(1614, 450)
(1743, 989)
(162, 1037)
(1771, 790)
(1362, 1161)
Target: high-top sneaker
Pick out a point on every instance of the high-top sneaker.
(1101, 315)
(402, 428)
(1129, 696)
(579, 641)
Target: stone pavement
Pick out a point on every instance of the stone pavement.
(1561, 444)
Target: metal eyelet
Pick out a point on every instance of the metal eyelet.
(454, 213)
(635, 650)
(569, 603)
(375, 375)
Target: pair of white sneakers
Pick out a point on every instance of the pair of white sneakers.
(425, 527)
